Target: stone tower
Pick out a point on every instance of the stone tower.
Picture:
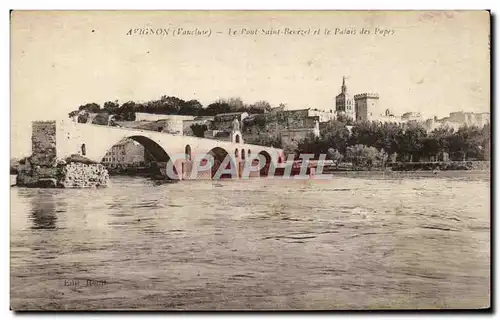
(366, 106)
(344, 103)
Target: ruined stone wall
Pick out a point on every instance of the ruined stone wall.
(223, 124)
(71, 175)
(44, 170)
(274, 124)
(80, 175)
(43, 143)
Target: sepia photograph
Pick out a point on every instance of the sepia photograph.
(250, 160)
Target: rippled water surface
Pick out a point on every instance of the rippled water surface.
(353, 242)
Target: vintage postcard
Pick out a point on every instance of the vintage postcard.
(250, 160)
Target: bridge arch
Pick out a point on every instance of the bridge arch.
(219, 155)
(265, 156)
(154, 149)
(153, 152)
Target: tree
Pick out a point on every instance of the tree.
(467, 143)
(127, 111)
(362, 156)
(430, 146)
(336, 135)
(411, 141)
(382, 157)
(73, 113)
(365, 133)
(291, 148)
(101, 119)
(345, 119)
(90, 107)
(335, 156)
(485, 142)
(199, 130)
(111, 107)
(266, 140)
(191, 107)
(236, 104)
(313, 145)
(394, 157)
(129, 106)
(388, 137)
(442, 137)
(217, 107)
(259, 107)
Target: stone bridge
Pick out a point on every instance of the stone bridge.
(182, 152)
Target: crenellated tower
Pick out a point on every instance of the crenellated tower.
(366, 106)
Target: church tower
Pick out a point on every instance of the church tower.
(344, 103)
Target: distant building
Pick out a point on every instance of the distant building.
(386, 117)
(124, 153)
(411, 116)
(470, 118)
(324, 115)
(344, 103)
(168, 123)
(366, 107)
(141, 116)
(230, 116)
(458, 119)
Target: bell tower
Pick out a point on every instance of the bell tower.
(344, 103)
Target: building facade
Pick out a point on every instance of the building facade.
(125, 153)
(412, 116)
(324, 115)
(458, 119)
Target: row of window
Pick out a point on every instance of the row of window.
(113, 159)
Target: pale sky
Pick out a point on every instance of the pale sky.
(434, 62)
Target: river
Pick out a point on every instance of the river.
(357, 241)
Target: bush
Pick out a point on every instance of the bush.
(199, 130)
(363, 157)
(79, 159)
